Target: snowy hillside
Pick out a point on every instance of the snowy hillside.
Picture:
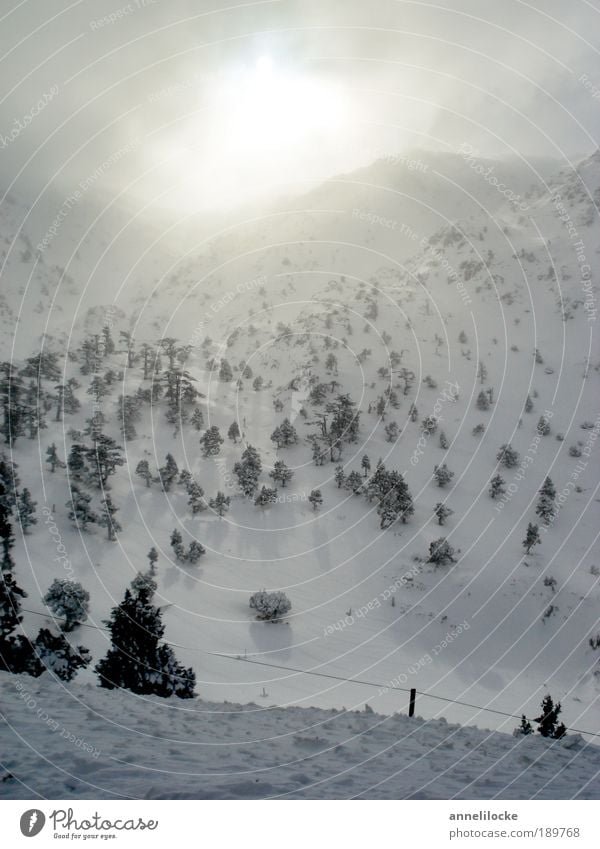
(100, 745)
(422, 306)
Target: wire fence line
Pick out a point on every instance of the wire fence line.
(329, 675)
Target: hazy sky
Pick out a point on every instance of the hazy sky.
(207, 103)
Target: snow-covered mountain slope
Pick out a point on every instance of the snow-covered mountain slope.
(280, 293)
(99, 745)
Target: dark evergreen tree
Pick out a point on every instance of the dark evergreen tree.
(266, 496)
(365, 465)
(137, 660)
(196, 500)
(339, 476)
(26, 510)
(441, 553)
(80, 511)
(528, 404)
(507, 456)
(546, 506)
(391, 431)
(195, 551)
(178, 546)
(103, 458)
(197, 419)
(442, 475)
(549, 726)
(525, 727)
(53, 459)
(234, 432)
(225, 372)
(354, 482)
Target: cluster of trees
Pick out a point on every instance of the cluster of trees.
(387, 488)
(549, 726)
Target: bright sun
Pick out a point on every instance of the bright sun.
(260, 124)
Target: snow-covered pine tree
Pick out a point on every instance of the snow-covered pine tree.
(354, 482)
(391, 431)
(137, 660)
(543, 426)
(546, 506)
(167, 474)
(68, 600)
(483, 401)
(196, 501)
(80, 511)
(270, 606)
(26, 510)
(225, 372)
(441, 553)
(443, 441)
(248, 471)
(365, 465)
(315, 498)
(195, 551)
(497, 486)
(528, 404)
(197, 419)
(507, 456)
(442, 475)
(532, 537)
(280, 473)
(211, 441)
(265, 496)
(54, 654)
(178, 546)
(442, 512)
(220, 503)
(339, 476)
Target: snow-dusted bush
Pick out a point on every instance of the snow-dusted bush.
(69, 601)
(270, 606)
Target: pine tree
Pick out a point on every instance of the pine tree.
(549, 725)
(234, 432)
(443, 441)
(211, 442)
(26, 510)
(481, 372)
(107, 518)
(507, 456)
(248, 471)
(10, 604)
(532, 537)
(442, 475)
(288, 433)
(546, 506)
(391, 432)
(316, 499)
(281, 473)
(152, 559)
(196, 500)
(69, 601)
(143, 471)
(413, 413)
(168, 473)
(137, 660)
(53, 459)
(483, 401)
(442, 512)
(525, 728)
(497, 486)
(528, 404)
(354, 482)
(441, 553)
(543, 426)
(7, 538)
(266, 496)
(103, 458)
(80, 511)
(178, 546)
(195, 551)
(220, 503)
(197, 419)
(365, 464)
(225, 372)
(257, 383)
(339, 477)
(185, 478)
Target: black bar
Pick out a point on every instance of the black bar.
(411, 705)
